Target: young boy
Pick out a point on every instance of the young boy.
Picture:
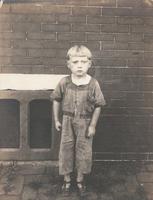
(80, 98)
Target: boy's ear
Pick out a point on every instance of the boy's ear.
(90, 63)
(68, 64)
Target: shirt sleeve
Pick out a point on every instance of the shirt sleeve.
(99, 97)
(57, 94)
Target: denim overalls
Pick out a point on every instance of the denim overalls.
(78, 104)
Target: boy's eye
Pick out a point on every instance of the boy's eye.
(75, 62)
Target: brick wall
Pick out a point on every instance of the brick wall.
(34, 38)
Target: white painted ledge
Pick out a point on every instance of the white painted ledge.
(29, 81)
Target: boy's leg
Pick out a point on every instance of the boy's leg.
(83, 154)
(66, 187)
(80, 177)
(67, 181)
(67, 178)
(83, 148)
(80, 184)
(66, 153)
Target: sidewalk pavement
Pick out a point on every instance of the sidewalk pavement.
(108, 181)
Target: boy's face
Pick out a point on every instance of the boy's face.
(79, 65)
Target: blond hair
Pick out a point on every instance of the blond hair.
(81, 51)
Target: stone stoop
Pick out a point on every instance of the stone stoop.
(107, 181)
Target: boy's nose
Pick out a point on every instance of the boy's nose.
(79, 64)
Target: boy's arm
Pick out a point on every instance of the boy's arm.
(56, 110)
(93, 122)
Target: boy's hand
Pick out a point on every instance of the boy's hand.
(91, 131)
(58, 125)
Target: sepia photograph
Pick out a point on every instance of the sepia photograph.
(76, 99)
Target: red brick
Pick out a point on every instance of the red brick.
(25, 27)
(86, 28)
(12, 52)
(136, 46)
(48, 8)
(11, 17)
(141, 12)
(146, 12)
(5, 60)
(60, 70)
(137, 63)
(142, 71)
(110, 62)
(133, 156)
(42, 36)
(71, 36)
(61, 53)
(117, 11)
(5, 27)
(130, 20)
(86, 11)
(40, 44)
(100, 20)
(115, 46)
(27, 43)
(42, 69)
(148, 63)
(126, 37)
(29, 17)
(148, 21)
(56, 45)
(113, 28)
(150, 157)
(148, 29)
(5, 17)
(136, 104)
(71, 19)
(108, 3)
(25, 8)
(55, 61)
(40, 18)
(129, 3)
(5, 43)
(148, 37)
(151, 127)
(100, 37)
(16, 60)
(16, 69)
(121, 54)
(141, 29)
(56, 27)
(148, 55)
(90, 44)
(137, 28)
(12, 35)
(42, 53)
(106, 156)
(72, 2)
(148, 46)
